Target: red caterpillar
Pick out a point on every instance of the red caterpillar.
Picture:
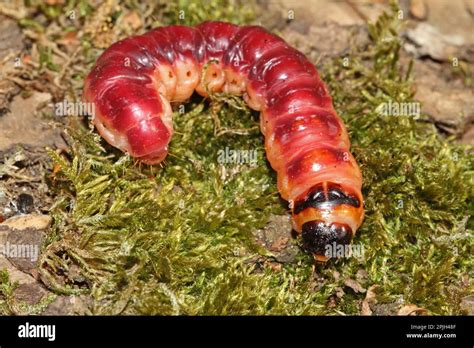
(134, 81)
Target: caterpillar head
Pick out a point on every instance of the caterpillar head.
(320, 237)
(328, 217)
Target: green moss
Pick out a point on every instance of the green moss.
(178, 239)
(9, 305)
(7, 289)
(192, 12)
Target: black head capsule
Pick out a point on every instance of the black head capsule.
(318, 236)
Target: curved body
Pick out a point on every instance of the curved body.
(136, 79)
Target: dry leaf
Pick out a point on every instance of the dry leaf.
(370, 298)
(354, 285)
(412, 309)
(371, 295)
(366, 308)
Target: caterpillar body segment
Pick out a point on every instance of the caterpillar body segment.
(135, 81)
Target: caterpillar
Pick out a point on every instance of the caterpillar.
(134, 82)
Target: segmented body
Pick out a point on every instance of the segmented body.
(134, 81)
